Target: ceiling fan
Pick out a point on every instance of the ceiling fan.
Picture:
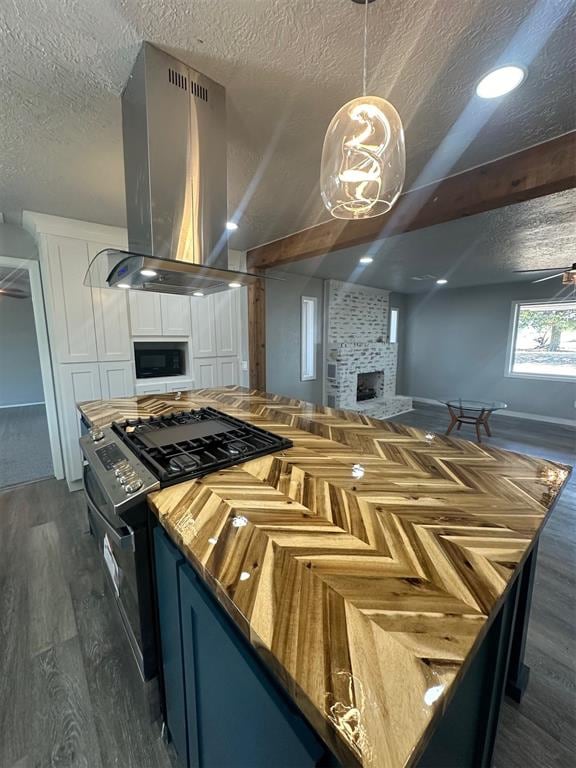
(568, 274)
(14, 293)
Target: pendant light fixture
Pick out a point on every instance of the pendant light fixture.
(364, 156)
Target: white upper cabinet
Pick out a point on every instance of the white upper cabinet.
(175, 312)
(145, 313)
(155, 314)
(72, 316)
(226, 312)
(203, 327)
(216, 324)
(116, 380)
(111, 319)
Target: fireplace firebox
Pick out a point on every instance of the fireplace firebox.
(369, 385)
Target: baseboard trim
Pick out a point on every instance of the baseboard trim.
(512, 414)
(22, 405)
(388, 418)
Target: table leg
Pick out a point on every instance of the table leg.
(477, 425)
(487, 427)
(453, 421)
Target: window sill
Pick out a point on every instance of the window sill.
(539, 376)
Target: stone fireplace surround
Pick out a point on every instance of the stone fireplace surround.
(357, 326)
(347, 360)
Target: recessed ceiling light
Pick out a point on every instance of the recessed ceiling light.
(366, 260)
(441, 281)
(235, 285)
(500, 81)
(122, 285)
(148, 272)
(197, 293)
(231, 226)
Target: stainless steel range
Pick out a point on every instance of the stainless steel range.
(129, 460)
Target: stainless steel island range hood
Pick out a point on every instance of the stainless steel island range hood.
(174, 131)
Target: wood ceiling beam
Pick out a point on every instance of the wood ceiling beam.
(257, 334)
(534, 172)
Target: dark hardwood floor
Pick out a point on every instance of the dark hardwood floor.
(69, 691)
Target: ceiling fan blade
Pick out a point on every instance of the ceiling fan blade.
(14, 293)
(547, 269)
(550, 277)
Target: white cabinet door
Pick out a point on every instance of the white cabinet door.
(203, 329)
(180, 386)
(78, 382)
(227, 321)
(150, 389)
(206, 372)
(228, 371)
(116, 380)
(145, 313)
(175, 315)
(111, 319)
(74, 333)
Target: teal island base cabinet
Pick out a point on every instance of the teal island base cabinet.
(221, 708)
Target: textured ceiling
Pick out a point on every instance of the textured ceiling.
(287, 67)
(478, 250)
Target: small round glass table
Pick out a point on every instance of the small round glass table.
(476, 412)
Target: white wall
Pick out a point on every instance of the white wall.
(456, 343)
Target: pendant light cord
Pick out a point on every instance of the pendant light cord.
(364, 67)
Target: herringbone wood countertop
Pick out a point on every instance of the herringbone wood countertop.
(363, 564)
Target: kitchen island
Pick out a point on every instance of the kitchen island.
(380, 575)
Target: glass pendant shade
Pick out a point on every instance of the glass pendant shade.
(363, 159)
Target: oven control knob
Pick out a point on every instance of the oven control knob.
(127, 477)
(134, 485)
(96, 434)
(121, 469)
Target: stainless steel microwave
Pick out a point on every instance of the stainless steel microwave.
(152, 363)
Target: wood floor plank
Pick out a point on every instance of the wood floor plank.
(129, 739)
(113, 677)
(522, 743)
(15, 680)
(63, 731)
(51, 615)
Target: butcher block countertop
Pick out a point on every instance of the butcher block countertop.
(364, 564)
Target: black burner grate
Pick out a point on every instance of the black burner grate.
(187, 444)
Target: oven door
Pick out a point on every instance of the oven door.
(124, 553)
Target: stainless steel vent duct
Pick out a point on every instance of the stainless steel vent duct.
(174, 131)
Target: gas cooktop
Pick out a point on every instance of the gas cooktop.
(187, 444)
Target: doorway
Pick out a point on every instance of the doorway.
(29, 439)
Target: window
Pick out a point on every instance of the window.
(542, 341)
(308, 341)
(393, 332)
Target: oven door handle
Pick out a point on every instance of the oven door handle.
(122, 541)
